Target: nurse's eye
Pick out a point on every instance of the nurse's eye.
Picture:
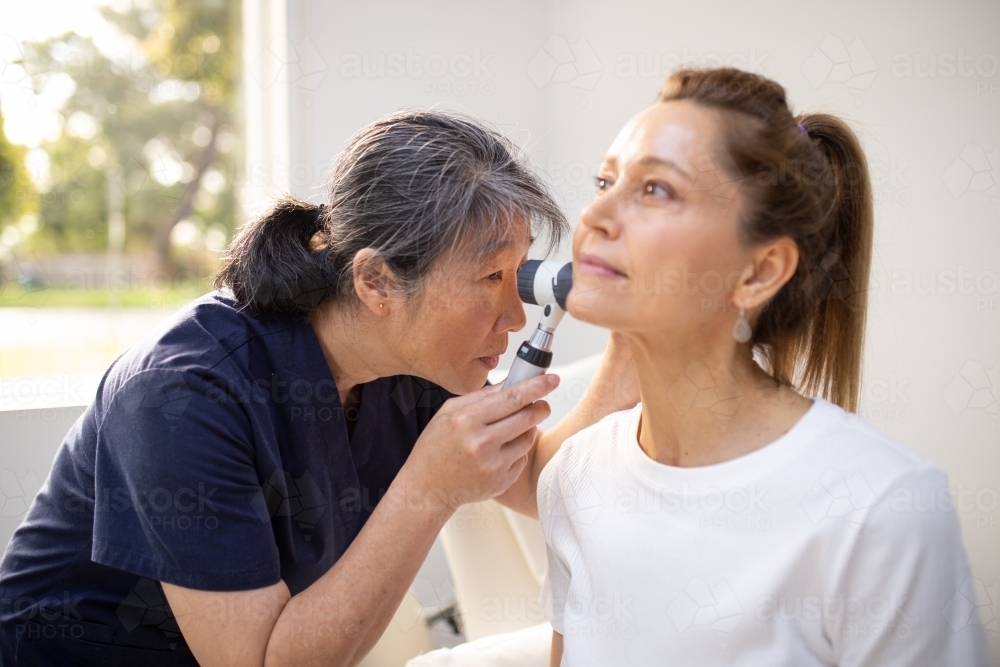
(603, 183)
(496, 276)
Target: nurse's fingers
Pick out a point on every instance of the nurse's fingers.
(517, 467)
(511, 462)
(508, 429)
(506, 402)
(519, 447)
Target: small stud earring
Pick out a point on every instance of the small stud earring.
(380, 305)
(741, 330)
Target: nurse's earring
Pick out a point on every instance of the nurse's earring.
(380, 305)
(741, 330)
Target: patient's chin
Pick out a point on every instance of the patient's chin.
(598, 307)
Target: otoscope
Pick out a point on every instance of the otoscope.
(542, 283)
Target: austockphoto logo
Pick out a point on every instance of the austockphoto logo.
(512, 608)
(28, 392)
(836, 60)
(706, 607)
(946, 282)
(16, 65)
(284, 61)
(600, 616)
(573, 180)
(184, 508)
(885, 400)
(982, 286)
(305, 400)
(472, 517)
(298, 498)
(457, 73)
(685, 499)
(58, 613)
(976, 387)
(889, 182)
(17, 492)
(837, 496)
(966, 500)
(561, 63)
(145, 605)
(974, 170)
(974, 603)
(655, 65)
(679, 281)
(874, 616)
(944, 65)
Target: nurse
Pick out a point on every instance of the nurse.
(258, 482)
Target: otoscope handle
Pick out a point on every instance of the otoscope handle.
(530, 361)
(522, 370)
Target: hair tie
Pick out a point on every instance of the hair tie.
(802, 129)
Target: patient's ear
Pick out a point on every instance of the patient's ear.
(772, 264)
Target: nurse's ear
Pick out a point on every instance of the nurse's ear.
(373, 281)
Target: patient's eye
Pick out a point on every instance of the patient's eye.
(496, 276)
(658, 189)
(602, 183)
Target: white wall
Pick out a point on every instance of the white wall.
(933, 140)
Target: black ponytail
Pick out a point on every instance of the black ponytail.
(271, 265)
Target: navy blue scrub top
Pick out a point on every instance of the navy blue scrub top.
(215, 456)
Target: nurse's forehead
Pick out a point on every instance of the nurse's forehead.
(678, 132)
(509, 247)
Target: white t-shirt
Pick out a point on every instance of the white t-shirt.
(832, 545)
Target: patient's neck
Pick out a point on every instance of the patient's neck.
(707, 401)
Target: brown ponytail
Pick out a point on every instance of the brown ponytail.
(805, 178)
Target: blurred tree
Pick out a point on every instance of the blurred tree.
(16, 191)
(148, 132)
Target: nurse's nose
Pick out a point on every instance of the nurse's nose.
(512, 317)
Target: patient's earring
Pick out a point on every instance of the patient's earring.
(380, 305)
(741, 330)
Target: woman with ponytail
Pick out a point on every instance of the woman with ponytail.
(742, 513)
(258, 482)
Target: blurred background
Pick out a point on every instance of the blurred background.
(136, 133)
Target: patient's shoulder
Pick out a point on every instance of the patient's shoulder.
(583, 460)
(597, 445)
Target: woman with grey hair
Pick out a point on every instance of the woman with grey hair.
(258, 482)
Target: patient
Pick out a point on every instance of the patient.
(742, 514)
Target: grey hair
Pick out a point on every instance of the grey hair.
(412, 186)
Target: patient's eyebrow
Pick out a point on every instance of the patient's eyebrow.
(662, 162)
(611, 162)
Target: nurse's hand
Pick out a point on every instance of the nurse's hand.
(476, 445)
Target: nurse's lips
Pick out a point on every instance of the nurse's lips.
(490, 362)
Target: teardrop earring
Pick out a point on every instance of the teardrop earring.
(741, 330)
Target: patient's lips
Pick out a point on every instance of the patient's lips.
(596, 266)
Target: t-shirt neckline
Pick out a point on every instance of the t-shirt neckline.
(744, 468)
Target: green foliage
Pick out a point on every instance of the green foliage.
(74, 208)
(17, 195)
(165, 146)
